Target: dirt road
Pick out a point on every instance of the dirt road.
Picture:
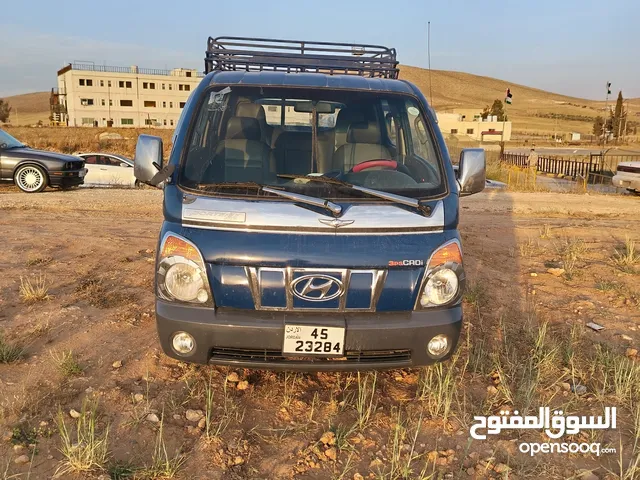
(525, 345)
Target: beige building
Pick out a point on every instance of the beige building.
(96, 95)
(470, 125)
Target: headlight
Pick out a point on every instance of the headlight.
(441, 288)
(181, 273)
(184, 282)
(444, 277)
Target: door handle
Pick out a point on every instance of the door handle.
(103, 169)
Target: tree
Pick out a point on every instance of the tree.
(497, 109)
(597, 125)
(5, 109)
(617, 116)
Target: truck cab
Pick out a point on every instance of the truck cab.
(310, 213)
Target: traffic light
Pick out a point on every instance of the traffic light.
(608, 88)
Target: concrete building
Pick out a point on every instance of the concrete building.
(470, 125)
(96, 95)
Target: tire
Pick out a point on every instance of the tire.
(30, 178)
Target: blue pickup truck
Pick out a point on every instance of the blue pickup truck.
(310, 213)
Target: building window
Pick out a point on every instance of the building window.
(170, 87)
(188, 74)
(180, 86)
(145, 85)
(152, 86)
(272, 108)
(126, 121)
(182, 104)
(171, 122)
(184, 87)
(469, 131)
(102, 102)
(126, 103)
(164, 104)
(187, 88)
(86, 101)
(454, 130)
(163, 86)
(81, 82)
(150, 103)
(87, 121)
(123, 84)
(492, 129)
(149, 121)
(102, 83)
(164, 122)
(110, 103)
(170, 104)
(109, 83)
(89, 83)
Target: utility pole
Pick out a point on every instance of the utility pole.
(606, 111)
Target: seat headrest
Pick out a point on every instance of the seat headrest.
(249, 109)
(243, 128)
(365, 132)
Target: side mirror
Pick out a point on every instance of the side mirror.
(148, 159)
(472, 175)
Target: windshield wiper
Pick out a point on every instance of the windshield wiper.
(298, 197)
(392, 197)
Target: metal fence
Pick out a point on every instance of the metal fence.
(134, 69)
(557, 165)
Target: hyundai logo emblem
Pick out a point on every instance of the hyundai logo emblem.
(317, 288)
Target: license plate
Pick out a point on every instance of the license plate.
(309, 340)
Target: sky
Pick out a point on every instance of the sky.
(564, 46)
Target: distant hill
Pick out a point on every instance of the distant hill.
(27, 109)
(533, 110)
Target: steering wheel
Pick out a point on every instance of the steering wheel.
(378, 162)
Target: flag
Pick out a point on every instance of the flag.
(507, 98)
(608, 88)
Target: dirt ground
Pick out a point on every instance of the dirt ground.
(90, 351)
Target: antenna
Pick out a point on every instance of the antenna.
(429, 59)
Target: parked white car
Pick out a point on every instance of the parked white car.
(108, 169)
(628, 176)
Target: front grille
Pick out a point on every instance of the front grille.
(73, 165)
(276, 356)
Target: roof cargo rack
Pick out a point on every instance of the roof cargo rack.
(291, 56)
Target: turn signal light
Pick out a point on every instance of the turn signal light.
(447, 253)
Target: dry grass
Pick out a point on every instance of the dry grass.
(66, 363)
(79, 139)
(627, 257)
(34, 290)
(10, 352)
(87, 450)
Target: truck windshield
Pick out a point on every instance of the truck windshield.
(266, 136)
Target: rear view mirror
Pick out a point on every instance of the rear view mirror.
(148, 160)
(321, 107)
(472, 171)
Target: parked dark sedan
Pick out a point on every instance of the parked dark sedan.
(33, 170)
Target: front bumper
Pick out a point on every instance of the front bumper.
(632, 182)
(67, 178)
(254, 339)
